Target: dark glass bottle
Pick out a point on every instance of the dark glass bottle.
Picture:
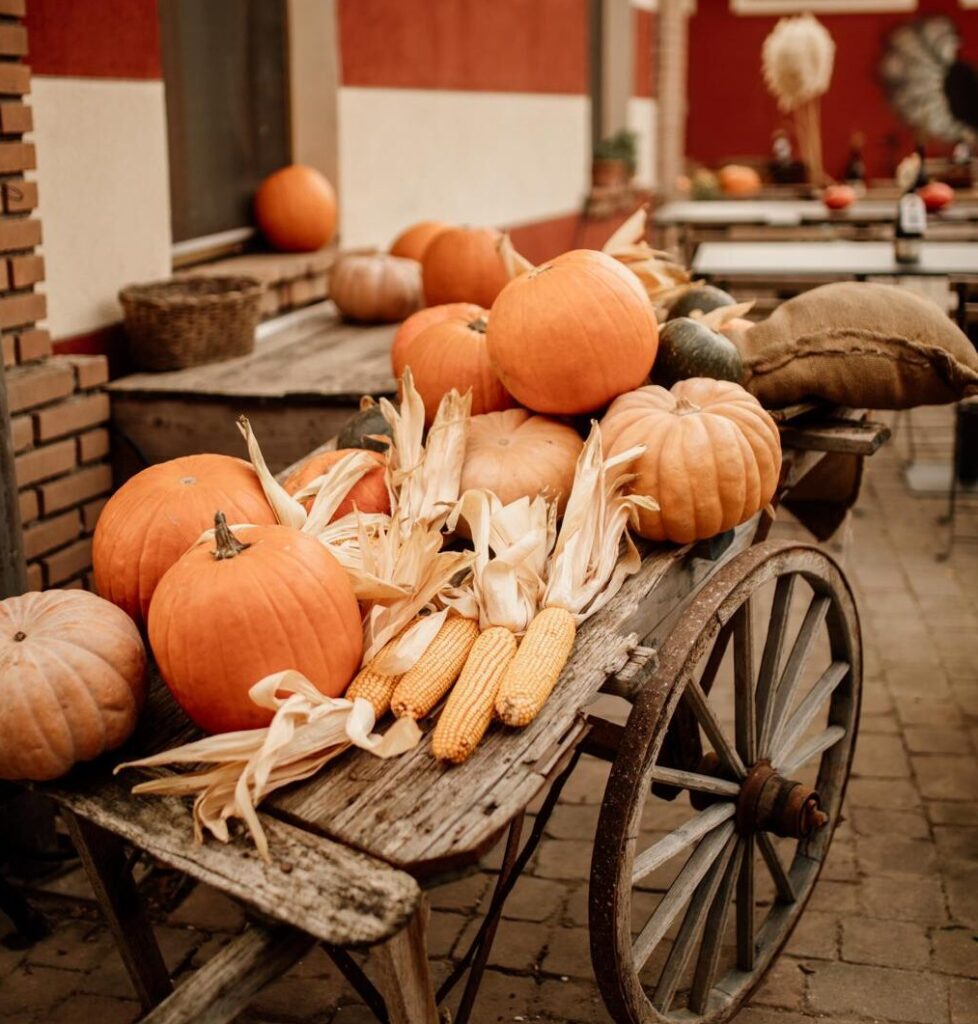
(911, 223)
(855, 172)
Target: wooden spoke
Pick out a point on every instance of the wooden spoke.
(744, 720)
(807, 634)
(680, 839)
(788, 735)
(745, 907)
(681, 890)
(714, 731)
(699, 783)
(713, 933)
(771, 658)
(786, 891)
(812, 748)
(715, 659)
(691, 928)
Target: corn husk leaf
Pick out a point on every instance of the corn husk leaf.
(307, 731)
(594, 552)
(514, 263)
(717, 319)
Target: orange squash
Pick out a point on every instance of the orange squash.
(417, 322)
(737, 180)
(515, 454)
(296, 209)
(72, 681)
(157, 514)
(712, 456)
(413, 241)
(463, 265)
(368, 494)
(453, 354)
(572, 334)
(243, 605)
(375, 288)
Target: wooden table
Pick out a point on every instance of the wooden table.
(303, 380)
(353, 847)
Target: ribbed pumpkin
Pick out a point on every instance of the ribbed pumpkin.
(712, 458)
(296, 209)
(416, 323)
(413, 241)
(453, 354)
(516, 455)
(157, 514)
(238, 607)
(375, 288)
(72, 681)
(369, 493)
(572, 334)
(738, 180)
(463, 265)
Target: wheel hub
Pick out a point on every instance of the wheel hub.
(768, 802)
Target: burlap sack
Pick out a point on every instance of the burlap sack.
(861, 345)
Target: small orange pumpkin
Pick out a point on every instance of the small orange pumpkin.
(453, 354)
(72, 681)
(157, 514)
(375, 288)
(515, 455)
(296, 209)
(239, 607)
(572, 334)
(368, 494)
(417, 322)
(463, 265)
(712, 456)
(413, 241)
(738, 180)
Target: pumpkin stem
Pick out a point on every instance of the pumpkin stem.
(227, 545)
(19, 636)
(684, 405)
(480, 324)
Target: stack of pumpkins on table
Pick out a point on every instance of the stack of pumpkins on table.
(543, 350)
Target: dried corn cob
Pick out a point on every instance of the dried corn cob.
(470, 704)
(374, 685)
(423, 685)
(533, 673)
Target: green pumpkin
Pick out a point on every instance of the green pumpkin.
(703, 297)
(358, 428)
(689, 348)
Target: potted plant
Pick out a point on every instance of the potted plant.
(614, 159)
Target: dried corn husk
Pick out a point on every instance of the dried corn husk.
(515, 263)
(309, 730)
(594, 553)
(718, 318)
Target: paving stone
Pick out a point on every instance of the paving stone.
(834, 897)
(964, 1002)
(892, 855)
(575, 910)
(783, 985)
(209, 910)
(883, 794)
(927, 739)
(877, 992)
(462, 894)
(573, 821)
(290, 999)
(957, 842)
(905, 898)
(961, 879)
(563, 858)
(505, 997)
(110, 978)
(519, 945)
(535, 899)
(946, 778)
(815, 935)
(956, 813)
(443, 932)
(955, 951)
(85, 1009)
(73, 946)
(927, 710)
(568, 953)
(569, 1001)
(35, 989)
(881, 757)
(866, 940)
(869, 821)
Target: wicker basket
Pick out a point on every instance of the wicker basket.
(190, 320)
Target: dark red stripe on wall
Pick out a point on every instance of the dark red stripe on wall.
(732, 114)
(543, 239)
(94, 38)
(105, 341)
(488, 45)
(643, 34)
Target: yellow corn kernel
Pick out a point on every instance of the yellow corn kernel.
(426, 682)
(469, 708)
(374, 685)
(533, 673)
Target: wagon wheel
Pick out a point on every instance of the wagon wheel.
(704, 940)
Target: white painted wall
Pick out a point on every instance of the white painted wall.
(104, 194)
(467, 157)
(641, 120)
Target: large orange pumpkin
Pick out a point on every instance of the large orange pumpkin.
(413, 241)
(417, 322)
(296, 209)
(453, 354)
(241, 606)
(712, 456)
(572, 334)
(157, 514)
(463, 265)
(72, 681)
(368, 494)
(515, 455)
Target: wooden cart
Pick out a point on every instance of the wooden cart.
(675, 935)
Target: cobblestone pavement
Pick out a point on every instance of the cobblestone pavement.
(891, 933)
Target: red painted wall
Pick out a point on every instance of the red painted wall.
(643, 41)
(94, 38)
(502, 46)
(732, 114)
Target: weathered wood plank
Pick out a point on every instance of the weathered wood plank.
(224, 986)
(333, 893)
(405, 974)
(852, 438)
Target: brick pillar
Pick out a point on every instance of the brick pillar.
(672, 45)
(57, 409)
